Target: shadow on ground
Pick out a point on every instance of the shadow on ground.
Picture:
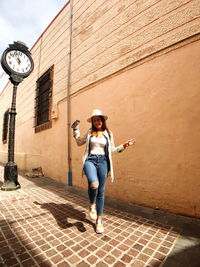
(14, 249)
(62, 213)
(188, 257)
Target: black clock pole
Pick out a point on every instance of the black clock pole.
(10, 169)
(18, 64)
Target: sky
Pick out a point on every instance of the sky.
(25, 21)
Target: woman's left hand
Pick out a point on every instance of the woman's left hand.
(129, 143)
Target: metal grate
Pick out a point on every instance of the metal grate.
(43, 99)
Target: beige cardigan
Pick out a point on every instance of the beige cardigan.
(111, 146)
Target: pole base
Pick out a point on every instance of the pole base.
(10, 177)
(10, 186)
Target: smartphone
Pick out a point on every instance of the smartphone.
(75, 124)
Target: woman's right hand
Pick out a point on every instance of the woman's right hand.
(75, 124)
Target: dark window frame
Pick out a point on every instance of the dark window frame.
(43, 101)
(5, 127)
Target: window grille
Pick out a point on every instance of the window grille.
(5, 127)
(43, 101)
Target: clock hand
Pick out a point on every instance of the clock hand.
(18, 60)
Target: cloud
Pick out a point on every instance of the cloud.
(25, 21)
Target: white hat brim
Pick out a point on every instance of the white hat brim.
(90, 119)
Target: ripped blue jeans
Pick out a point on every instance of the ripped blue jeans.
(96, 170)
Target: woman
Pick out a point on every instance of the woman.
(97, 162)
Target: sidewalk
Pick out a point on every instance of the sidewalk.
(46, 224)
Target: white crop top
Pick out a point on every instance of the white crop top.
(98, 145)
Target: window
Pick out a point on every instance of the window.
(5, 127)
(43, 101)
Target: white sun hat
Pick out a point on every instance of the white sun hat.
(96, 112)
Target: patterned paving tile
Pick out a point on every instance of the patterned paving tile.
(49, 226)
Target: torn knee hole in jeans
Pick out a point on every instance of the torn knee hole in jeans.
(94, 185)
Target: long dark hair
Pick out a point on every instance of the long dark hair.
(94, 131)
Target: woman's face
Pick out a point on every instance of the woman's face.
(97, 122)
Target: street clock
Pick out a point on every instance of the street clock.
(17, 61)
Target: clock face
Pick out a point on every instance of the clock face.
(18, 61)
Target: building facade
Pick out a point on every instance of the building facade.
(136, 60)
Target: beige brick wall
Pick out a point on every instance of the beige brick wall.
(111, 36)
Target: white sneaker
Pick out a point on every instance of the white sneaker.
(93, 212)
(99, 227)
